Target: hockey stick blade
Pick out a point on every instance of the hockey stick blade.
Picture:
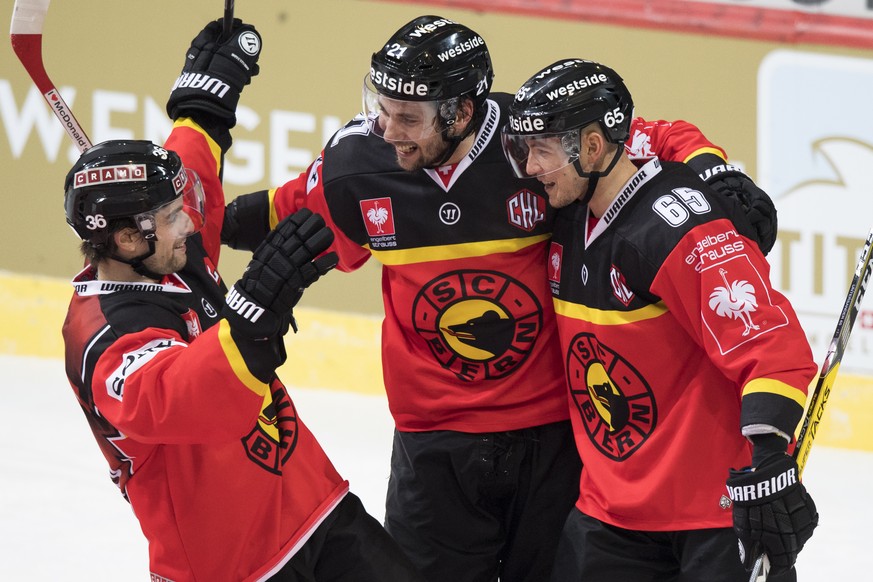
(25, 33)
(829, 369)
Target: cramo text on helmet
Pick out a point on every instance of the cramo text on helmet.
(430, 27)
(577, 85)
(526, 124)
(397, 84)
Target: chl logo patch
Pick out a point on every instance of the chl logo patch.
(478, 324)
(274, 437)
(615, 403)
(525, 209)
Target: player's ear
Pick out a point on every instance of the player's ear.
(463, 115)
(127, 239)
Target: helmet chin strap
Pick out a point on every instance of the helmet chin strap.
(594, 177)
(137, 264)
(453, 142)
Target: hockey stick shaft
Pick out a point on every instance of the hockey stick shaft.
(25, 33)
(228, 19)
(831, 365)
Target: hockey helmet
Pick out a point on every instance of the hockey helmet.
(129, 179)
(432, 61)
(551, 108)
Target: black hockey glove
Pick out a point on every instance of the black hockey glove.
(259, 304)
(773, 514)
(215, 72)
(730, 181)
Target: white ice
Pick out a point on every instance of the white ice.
(63, 519)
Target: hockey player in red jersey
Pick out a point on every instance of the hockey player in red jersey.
(483, 470)
(178, 382)
(682, 361)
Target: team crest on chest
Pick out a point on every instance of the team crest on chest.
(274, 437)
(478, 324)
(525, 210)
(614, 401)
(379, 220)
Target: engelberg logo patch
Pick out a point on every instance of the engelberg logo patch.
(738, 307)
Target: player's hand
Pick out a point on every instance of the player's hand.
(772, 512)
(730, 181)
(215, 72)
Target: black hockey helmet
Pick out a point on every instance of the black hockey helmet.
(561, 99)
(128, 179)
(430, 59)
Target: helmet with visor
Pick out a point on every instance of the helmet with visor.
(131, 180)
(551, 109)
(418, 77)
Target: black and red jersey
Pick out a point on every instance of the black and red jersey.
(672, 339)
(468, 339)
(225, 479)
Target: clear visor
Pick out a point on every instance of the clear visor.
(182, 216)
(536, 155)
(399, 120)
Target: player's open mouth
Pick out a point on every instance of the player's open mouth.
(405, 150)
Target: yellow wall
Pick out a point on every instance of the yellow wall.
(315, 56)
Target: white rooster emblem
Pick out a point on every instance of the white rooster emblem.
(378, 216)
(735, 300)
(555, 261)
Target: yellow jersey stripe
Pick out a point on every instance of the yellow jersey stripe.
(770, 386)
(458, 251)
(604, 317)
(236, 361)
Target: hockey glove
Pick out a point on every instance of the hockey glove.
(259, 304)
(772, 512)
(215, 72)
(730, 181)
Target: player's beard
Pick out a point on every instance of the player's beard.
(426, 154)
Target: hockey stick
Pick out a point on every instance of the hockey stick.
(228, 19)
(829, 369)
(25, 32)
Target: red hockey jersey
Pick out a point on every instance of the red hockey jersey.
(673, 339)
(468, 339)
(224, 477)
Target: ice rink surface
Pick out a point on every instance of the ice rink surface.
(63, 519)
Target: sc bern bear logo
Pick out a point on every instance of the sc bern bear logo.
(478, 324)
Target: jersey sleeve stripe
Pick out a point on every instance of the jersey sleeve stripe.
(770, 386)
(706, 150)
(236, 361)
